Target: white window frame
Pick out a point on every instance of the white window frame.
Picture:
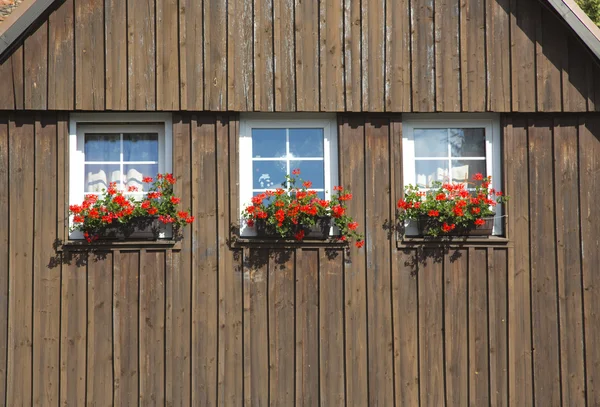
(493, 147)
(249, 121)
(80, 123)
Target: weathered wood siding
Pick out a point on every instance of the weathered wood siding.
(202, 324)
(285, 55)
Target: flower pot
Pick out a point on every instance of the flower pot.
(426, 222)
(318, 231)
(146, 228)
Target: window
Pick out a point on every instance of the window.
(273, 145)
(121, 148)
(451, 148)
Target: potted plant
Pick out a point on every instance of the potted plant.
(297, 212)
(452, 209)
(117, 215)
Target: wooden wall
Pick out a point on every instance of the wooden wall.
(514, 322)
(299, 55)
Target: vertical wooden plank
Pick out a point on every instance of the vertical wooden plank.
(352, 176)
(281, 306)
(46, 280)
(125, 327)
(20, 251)
(230, 367)
(546, 359)
(397, 57)
(36, 68)
(589, 187)
(99, 388)
(179, 283)
(7, 96)
(167, 55)
(498, 318)
(4, 254)
(152, 328)
(406, 334)
(331, 329)
(204, 261)
(191, 54)
(448, 61)
(479, 392)
(62, 176)
(498, 55)
(73, 321)
(61, 64)
(141, 55)
(378, 252)
(263, 55)
(331, 56)
(431, 339)
(472, 53)
(240, 80)
(307, 327)
(283, 55)
(17, 61)
(307, 55)
(89, 55)
(352, 55)
(575, 85)
(423, 52)
(456, 274)
(566, 183)
(373, 55)
(524, 20)
(551, 49)
(519, 305)
(215, 56)
(115, 30)
(256, 323)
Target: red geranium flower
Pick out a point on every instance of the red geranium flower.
(299, 235)
(479, 222)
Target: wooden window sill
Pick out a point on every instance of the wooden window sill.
(256, 242)
(81, 245)
(458, 241)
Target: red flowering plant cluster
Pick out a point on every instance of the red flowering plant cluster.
(289, 212)
(451, 207)
(120, 211)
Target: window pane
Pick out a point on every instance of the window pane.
(306, 142)
(313, 171)
(463, 170)
(268, 143)
(431, 142)
(467, 142)
(102, 147)
(134, 173)
(98, 176)
(431, 170)
(268, 174)
(140, 147)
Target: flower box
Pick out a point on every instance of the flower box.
(318, 231)
(424, 223)
(145, 228)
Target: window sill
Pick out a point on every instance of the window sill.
(457, 241)
(81, 245)
(257, 242)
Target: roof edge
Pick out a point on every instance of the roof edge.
(20, 20)
(583, 26)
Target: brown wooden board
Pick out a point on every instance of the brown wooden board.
(152, 328)
(523, 23)
(256, 332)
(21, 144)
(307, 55)
(498, 325)
(7, 96)
(141, 55)
(283, 55)
(167, 55)
(498, 55)
(479, 391)
(264, 99)
(551, 48)
(575, 77)
(457, 272)
(4, 255)
(89, 55)
(46, 280)
(17, 62)
(240, 78)
(566, 196)
(125, 327)
(307, 327)
(397, 56)
(472, 55)
(447, 55)
(99, 386)
(61, 62)
(423, 56)
(215, 56)
(544, 312)
(280, 311)
(331, 64)
(191, 54)
(36, 68)
(352, 55)
(115, 32)
(373, 39)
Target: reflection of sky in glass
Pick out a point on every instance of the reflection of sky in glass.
(431, 142)
(467, 142)
(140, 147)
(311, 171)
(268, 174)
(102, 147)
(268, 143)
(431, 170)
(306, 142)
(98, 176)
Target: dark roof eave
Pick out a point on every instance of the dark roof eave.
(20, 20)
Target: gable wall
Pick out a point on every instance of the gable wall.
(284, 55)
